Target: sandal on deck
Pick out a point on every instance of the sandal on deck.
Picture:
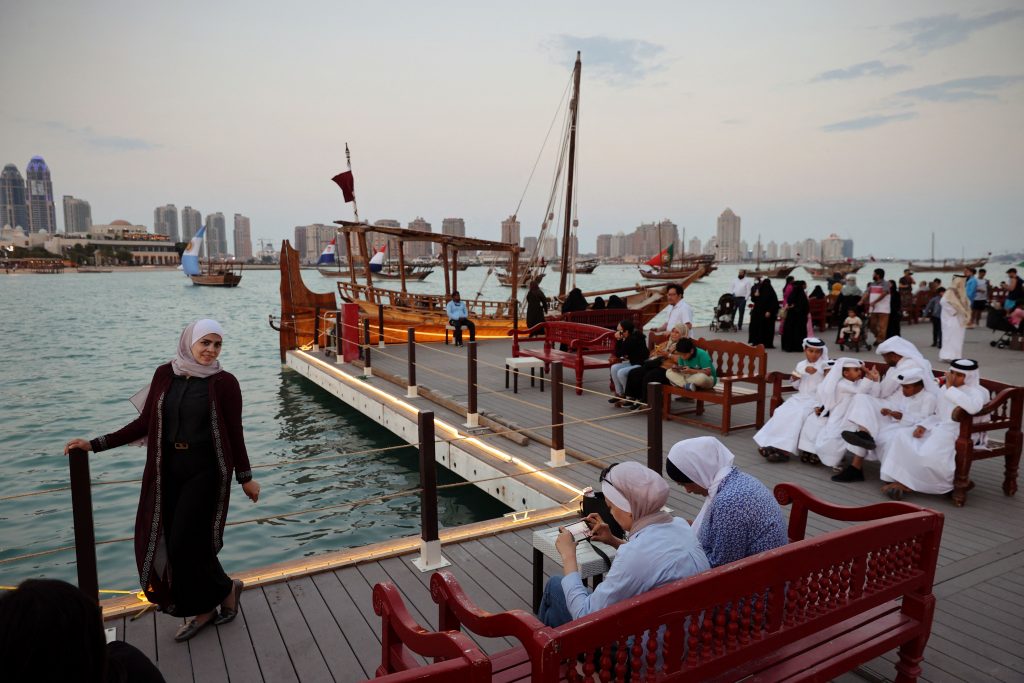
(809, 458)
(228, 615)
(775, 455)
(194, 626)
(894, 493)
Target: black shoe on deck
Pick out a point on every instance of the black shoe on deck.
(861, 439)
(849, 474)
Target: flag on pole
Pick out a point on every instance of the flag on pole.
(664, 258)
(190, 257)
(347, 184)
(327, 257)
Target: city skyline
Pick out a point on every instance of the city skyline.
(877, 120)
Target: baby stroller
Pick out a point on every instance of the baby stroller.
(725, 311)
(997, 322)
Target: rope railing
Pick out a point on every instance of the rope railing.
(352, 503)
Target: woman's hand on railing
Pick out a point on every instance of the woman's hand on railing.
(77, 443)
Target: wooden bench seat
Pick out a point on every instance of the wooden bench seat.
(1003, 411)
(589, 346)
(808, 611)
(741, 379)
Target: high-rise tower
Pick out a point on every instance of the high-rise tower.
(41, 212)
(728, 236)
(165, 221)
(13, 202)
(216, 235)
(77, 215)
(242, 238)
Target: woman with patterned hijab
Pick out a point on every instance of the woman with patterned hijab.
(740, 516)
(191, 422)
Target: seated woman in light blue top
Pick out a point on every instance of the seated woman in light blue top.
(660, 548)
(740, 517)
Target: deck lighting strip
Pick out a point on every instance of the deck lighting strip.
(413, 410)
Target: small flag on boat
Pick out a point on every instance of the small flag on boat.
(347, 184)
(328, 255)
(377, 260)
(190, 257)
(664, 258)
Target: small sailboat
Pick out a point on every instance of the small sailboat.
(329, 265)
(945, 265)
(218, 273)
(660, 266)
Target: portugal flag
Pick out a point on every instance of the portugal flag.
(663, 259)
(347, 184)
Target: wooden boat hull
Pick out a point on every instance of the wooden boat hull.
(216, 280)
(772, 272)
(946, 266)
(505, 279)
(670, 274)
(824, 272)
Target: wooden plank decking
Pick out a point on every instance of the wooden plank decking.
(322, 627)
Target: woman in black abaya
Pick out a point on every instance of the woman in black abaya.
(761, 329)
(794, 328)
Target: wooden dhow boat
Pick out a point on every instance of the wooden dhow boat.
(945, 265)
(826, 269)
(219, 273)
(773, 268)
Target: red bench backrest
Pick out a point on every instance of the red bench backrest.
(608, 318)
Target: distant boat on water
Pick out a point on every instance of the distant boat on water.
(220, 273)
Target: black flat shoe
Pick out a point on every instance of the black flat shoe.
(849, 474)
(228, 615)
(860, 438)
(194, 626)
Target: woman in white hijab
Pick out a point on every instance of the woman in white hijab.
(660, 548)
(777, 440)
(191, 423)
(924, 459)
(740, 517)
(955, 314)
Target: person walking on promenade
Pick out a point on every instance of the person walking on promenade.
(191, 421)
(956, 316)
(794, 327)
(980, 300)
(876, 304)
(761, 329)
(740, 293)
(536, 305)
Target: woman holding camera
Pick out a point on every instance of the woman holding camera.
(660, 549)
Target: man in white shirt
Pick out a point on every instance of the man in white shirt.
(876, 302)
(740, 293)
(679, 312)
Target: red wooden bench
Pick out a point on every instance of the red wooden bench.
(808, 611)
(818, 312)
(741, 379)
(589, 346)
(1004, 410)
(607, 317)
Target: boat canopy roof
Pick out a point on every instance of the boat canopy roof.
(407, 235)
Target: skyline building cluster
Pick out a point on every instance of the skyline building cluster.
(26, 204)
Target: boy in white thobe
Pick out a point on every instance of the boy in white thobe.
(924, 459)
(778, 438)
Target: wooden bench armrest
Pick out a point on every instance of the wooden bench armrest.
(400, 630)
(456, 609)
(804, 501)
(965, 418)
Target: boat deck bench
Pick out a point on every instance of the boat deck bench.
(808, 611)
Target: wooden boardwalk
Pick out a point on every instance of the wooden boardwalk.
(322, 627)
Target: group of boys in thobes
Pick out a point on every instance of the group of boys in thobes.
(904, 419)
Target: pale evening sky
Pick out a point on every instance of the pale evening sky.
(879, 121)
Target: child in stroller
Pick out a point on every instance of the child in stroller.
(723, 316)
(1009, 324)
(850, 331)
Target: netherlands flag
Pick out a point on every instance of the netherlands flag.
(327, 257)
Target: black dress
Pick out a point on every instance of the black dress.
(794, 329)
(190, 494)
(895, 313)
(536, 306)
(649, 371)
(763, 316)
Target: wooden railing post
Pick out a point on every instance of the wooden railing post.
(85, 536)
(557, 418)
(380, 325)
(472, 416)
(411, 391)
(367, 368)
(654, 426)
(316, 328)
(338, 331)
(430, 546)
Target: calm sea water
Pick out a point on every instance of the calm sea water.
(75, 347)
